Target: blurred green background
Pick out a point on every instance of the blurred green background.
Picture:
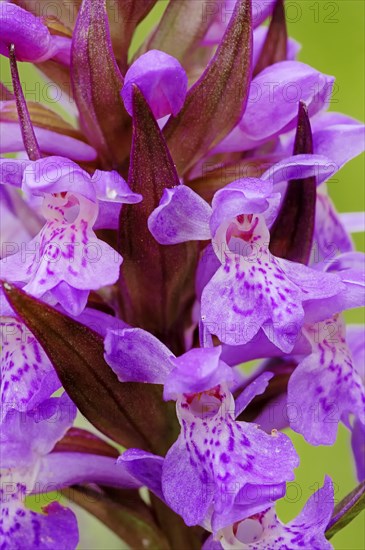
(332, 38)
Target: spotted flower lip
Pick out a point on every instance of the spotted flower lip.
(265, 530)
(212, 449)
(248, 277)
(53, 270)
(329, 378)
(246, 273)
(62, 251)
(28, 466)
(27, 376)
(22, 452)
(325, 374)
(221, 450)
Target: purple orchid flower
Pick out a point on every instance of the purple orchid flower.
(220, 460)
(27, 376)
(246, 286)
(349, 268)
(326, 374)
(66, 246)
(325, 386)
(30, 465)
(129, 304)
(249, 274)
(24, 444)
(320, 386)
(265, 530)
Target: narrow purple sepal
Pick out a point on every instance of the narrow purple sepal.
(272, 108)
(135, 355)
(63, 469)
(182, 215)
(198, 370)
(336, 136)
(145, 467)
(50, 142)
(257, 387)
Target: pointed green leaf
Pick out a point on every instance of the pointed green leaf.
(347, 510)
(216, 102)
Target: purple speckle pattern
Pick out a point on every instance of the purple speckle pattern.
(255, 289)
(27, 376)
(213, 153)
(265, 531)
(66, 252)
(217, 457)
(330, 236)
(26, 440)
(21, 527)
(326, 386)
